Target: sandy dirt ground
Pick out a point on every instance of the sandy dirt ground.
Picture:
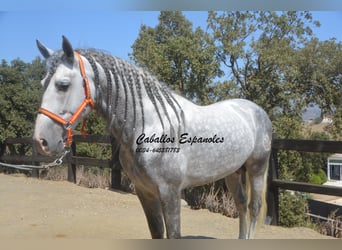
(38, 209)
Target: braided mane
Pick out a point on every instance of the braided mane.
(120, 73)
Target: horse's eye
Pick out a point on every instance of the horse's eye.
(63, 85)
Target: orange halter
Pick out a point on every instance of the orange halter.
(67, 124)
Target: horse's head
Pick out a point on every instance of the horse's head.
(66, 99)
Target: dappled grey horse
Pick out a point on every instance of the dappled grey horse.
(167, 143)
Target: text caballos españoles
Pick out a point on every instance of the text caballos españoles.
(183, 139)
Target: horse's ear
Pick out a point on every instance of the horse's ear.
(68, 50)
(46, 52)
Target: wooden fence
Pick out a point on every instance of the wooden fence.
(274, 183)
(8, 154)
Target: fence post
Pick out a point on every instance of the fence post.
(2, 152)
(71, 165)
(35, 172)
(2, 148)
(115, 165)
(273, 191)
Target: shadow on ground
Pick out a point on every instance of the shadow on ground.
(197, 237)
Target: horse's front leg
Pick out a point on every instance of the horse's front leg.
(170, 201)
(153, 213)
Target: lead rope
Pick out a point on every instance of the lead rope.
(56, 162)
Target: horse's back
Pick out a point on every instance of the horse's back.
(251, 114)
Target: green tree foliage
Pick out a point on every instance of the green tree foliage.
(312, 163)
(260, 50)
(178, 55)
(320, 78)
(293, 209)
(95, 126)
(20, 97)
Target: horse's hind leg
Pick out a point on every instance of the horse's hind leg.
(256, 173)
(236, 186)
(153, 213)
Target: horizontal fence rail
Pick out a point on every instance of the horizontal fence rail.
(308, 188)
(308, 145)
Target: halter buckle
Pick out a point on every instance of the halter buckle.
(67, 125)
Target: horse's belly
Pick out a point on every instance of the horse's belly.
(211, 163)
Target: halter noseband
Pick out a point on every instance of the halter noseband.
(67, 124)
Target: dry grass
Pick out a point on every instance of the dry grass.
(331, 227)
(219, 201)
(55, 174)
(316, 127)
(90, 177)
(93, 177)
(212, 197)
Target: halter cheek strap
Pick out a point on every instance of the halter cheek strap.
(67, 124)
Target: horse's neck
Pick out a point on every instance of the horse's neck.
(121, 99)
(115, 104)
(130, 100)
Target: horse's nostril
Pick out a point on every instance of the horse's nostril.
(41, 145)
(43, 142)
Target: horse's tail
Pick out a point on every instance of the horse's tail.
(263, 209)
